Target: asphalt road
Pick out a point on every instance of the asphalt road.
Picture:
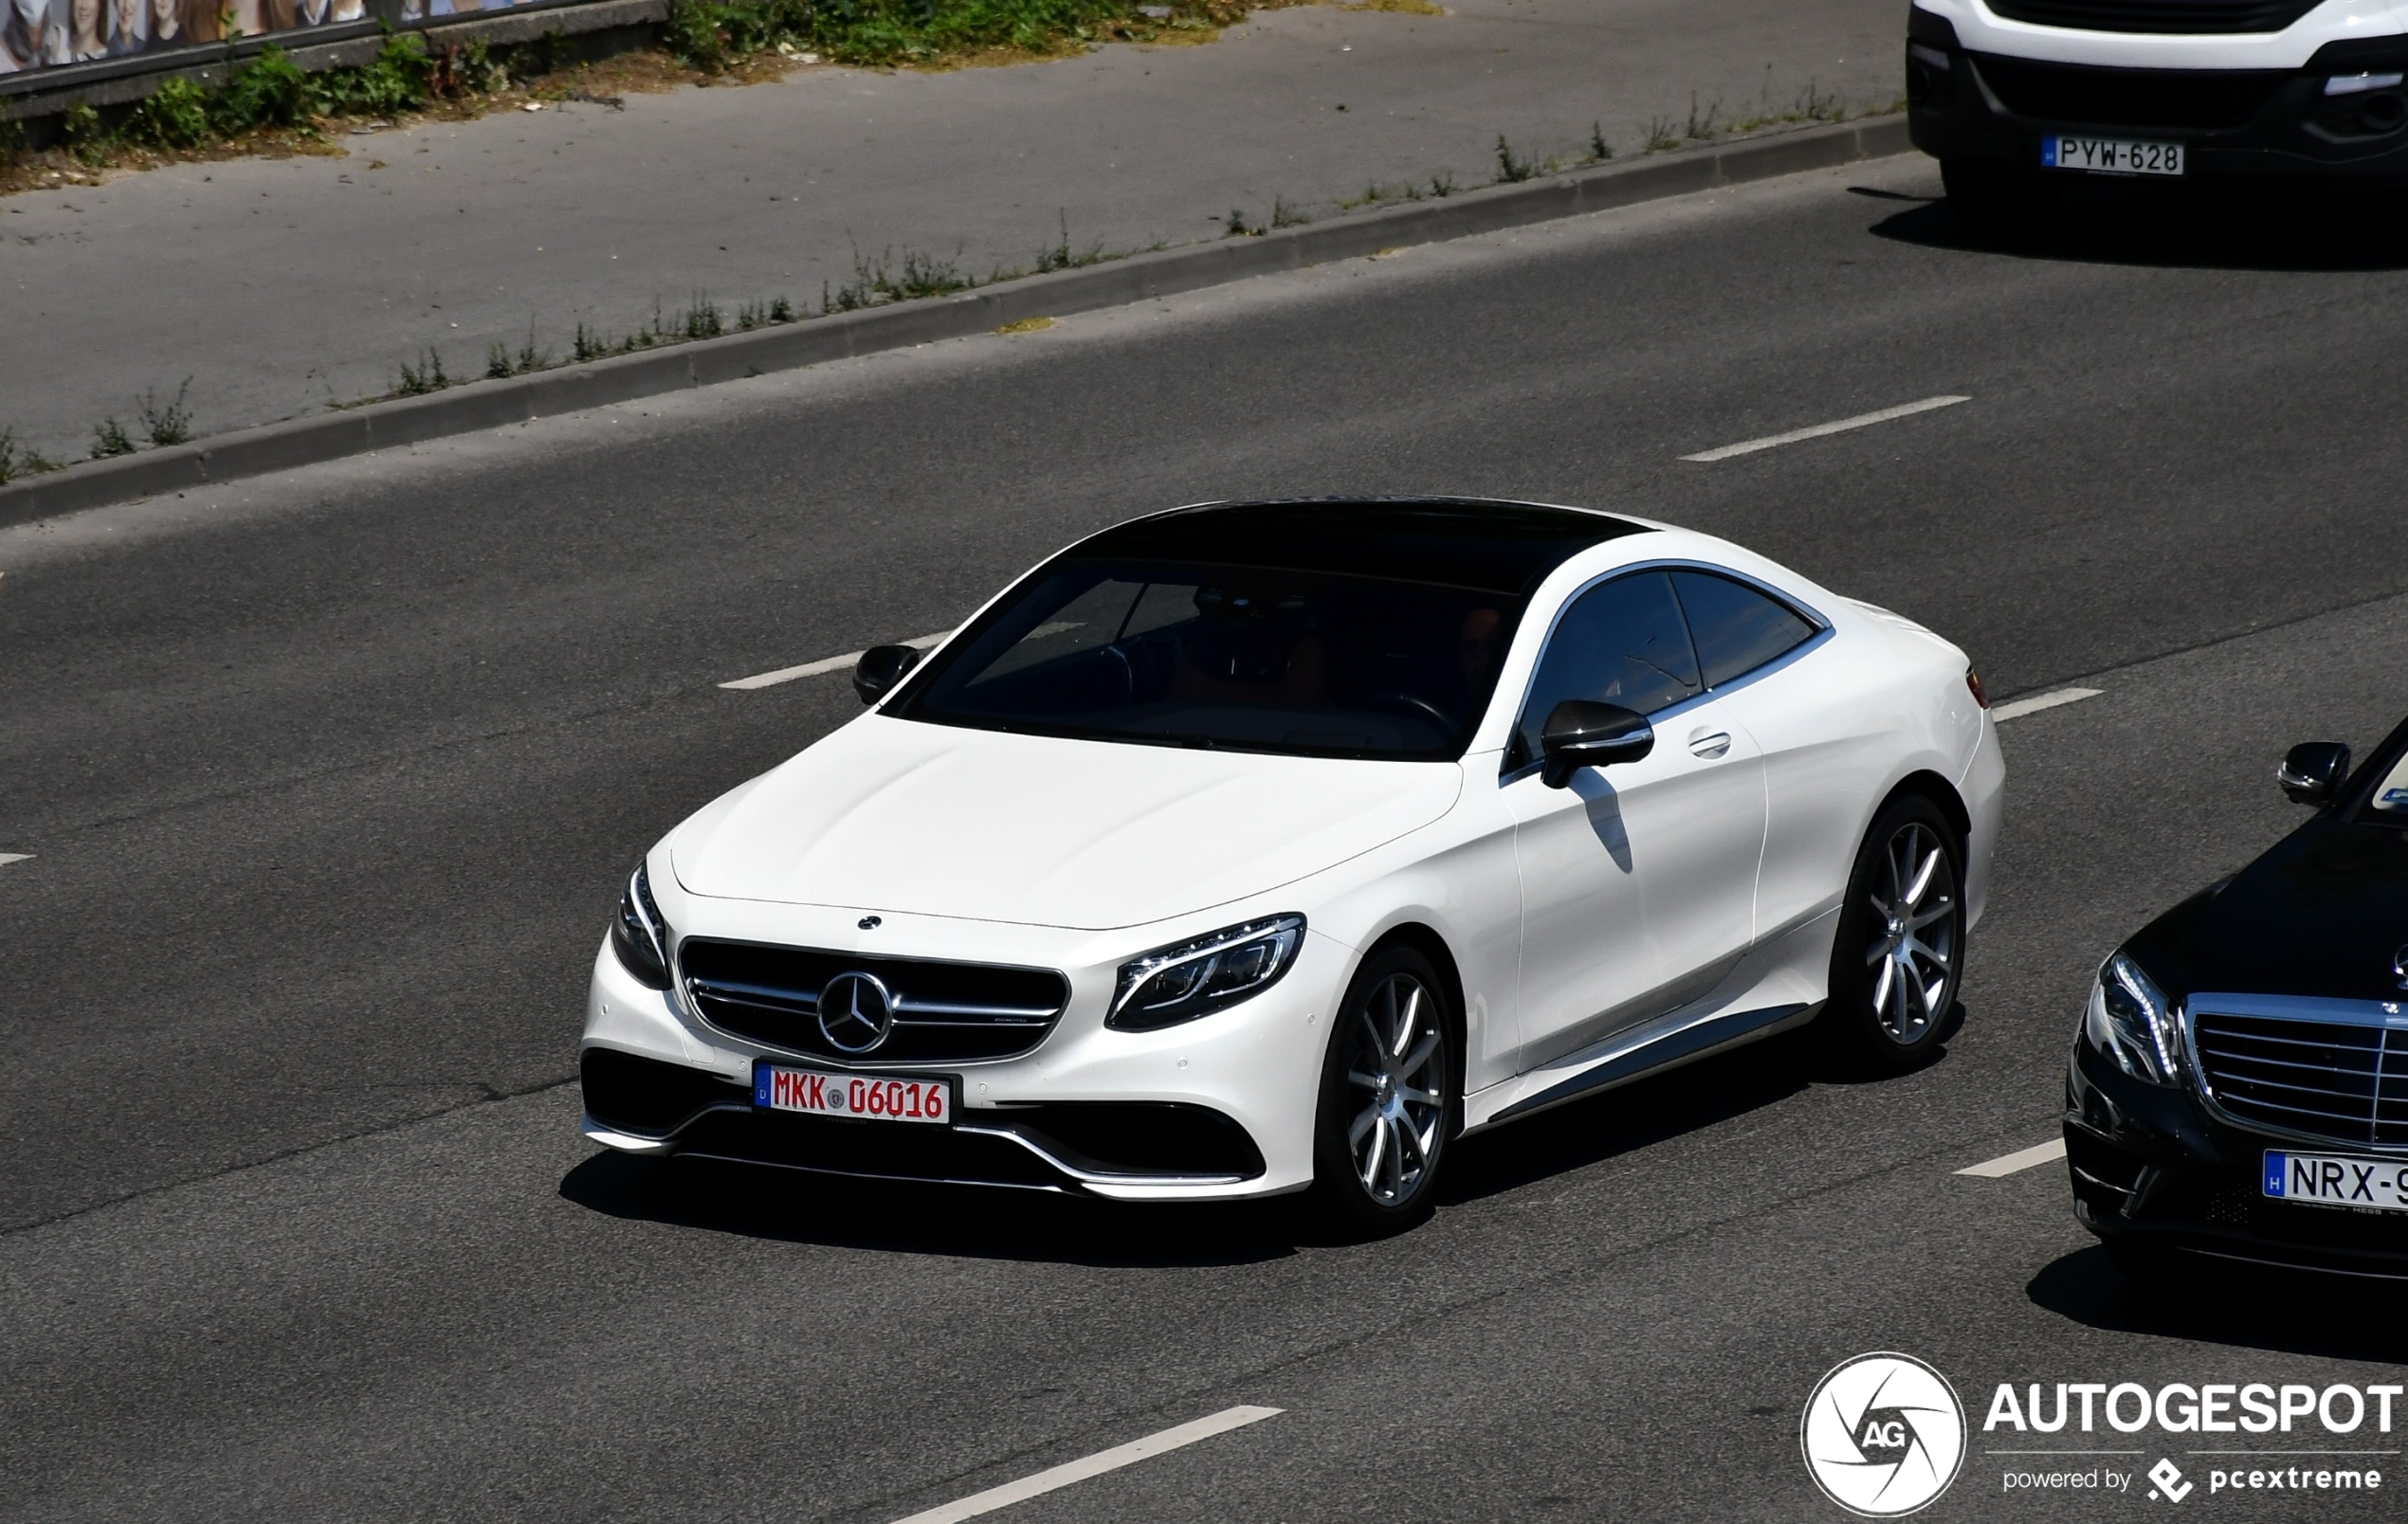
(328, 780)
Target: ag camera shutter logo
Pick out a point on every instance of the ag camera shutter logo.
(1884, 1434)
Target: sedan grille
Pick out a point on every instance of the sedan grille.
(2343, 1079)
(943, 1013)
(2213, 16)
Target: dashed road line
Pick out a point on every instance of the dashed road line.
(2023, 1159)
(1094, 1465)
(827, 664)
(2038, 701)
(1905, 409)
(7, 858)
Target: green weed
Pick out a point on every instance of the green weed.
(1599, 150)
(1660, 135)
(110, 438)
(1511, 170)
(1060, 256)
(165, 422)
(20, 459)
(175, 115)
(426, 376)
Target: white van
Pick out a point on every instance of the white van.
(2019, 98)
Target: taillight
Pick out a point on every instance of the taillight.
(1973, 681)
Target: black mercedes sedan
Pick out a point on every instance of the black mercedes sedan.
(2240, 1085)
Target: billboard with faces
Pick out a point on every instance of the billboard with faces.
(44, 34)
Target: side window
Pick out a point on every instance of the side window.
(1620, 643)
(1737, 629)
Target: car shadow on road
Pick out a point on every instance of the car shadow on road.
(907, 1217)
(2245, 227)
(2332, 1316)
(1623, 1121)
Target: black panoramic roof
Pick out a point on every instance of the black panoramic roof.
(1459, 542)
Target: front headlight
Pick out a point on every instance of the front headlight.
(2131, 1021)
(639, 936)
(1178, 983)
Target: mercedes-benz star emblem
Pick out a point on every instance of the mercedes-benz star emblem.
(855, 1012)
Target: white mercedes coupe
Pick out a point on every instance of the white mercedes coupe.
(1258, 847)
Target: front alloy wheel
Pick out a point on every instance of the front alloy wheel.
(1900, 952)
(1914, 933)
(1386, 1108)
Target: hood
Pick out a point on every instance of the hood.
(2324, 913)
(907, 817)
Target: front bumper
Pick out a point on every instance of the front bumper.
(1969, 104)
(2149, 1164)
(1217, 1108)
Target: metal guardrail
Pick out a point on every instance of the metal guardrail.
(110, 71)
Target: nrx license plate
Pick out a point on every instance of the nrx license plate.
(2110, 156)
(2338, 1180)
(877, 1097)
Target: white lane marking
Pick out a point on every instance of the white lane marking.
(1905, 409)
(2023, 1159)
(826, 664)
(7, 858)
(2040, 702)
(1094, 1465)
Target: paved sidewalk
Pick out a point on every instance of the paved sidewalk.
(279, 285)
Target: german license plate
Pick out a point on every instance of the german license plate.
(2110, 156)
(2338, 1180)
(869, 1097)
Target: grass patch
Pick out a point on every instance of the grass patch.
(1027, 325)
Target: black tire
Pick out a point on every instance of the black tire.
(1376, 1150)
(1997, 201)
(1898, 957)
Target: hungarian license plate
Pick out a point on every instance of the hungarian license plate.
(2338, 1180)
(2110, 156)
(870, 1096)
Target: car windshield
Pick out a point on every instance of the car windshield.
(1256, 659)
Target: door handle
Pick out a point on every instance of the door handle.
(1710, 747)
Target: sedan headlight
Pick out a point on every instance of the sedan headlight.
(1178, 983)
(639, 936)
(2131, 1021)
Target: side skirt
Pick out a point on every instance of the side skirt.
(1685, 1044)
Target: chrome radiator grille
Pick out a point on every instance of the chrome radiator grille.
(941, 1012)
(2339, 1073)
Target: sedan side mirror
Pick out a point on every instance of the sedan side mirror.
(2311, 772)
(1580, 734)
(880, 669)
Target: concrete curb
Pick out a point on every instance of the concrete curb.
(791, 346)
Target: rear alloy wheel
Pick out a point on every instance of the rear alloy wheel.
(1387, 1097)
(1900, 950)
